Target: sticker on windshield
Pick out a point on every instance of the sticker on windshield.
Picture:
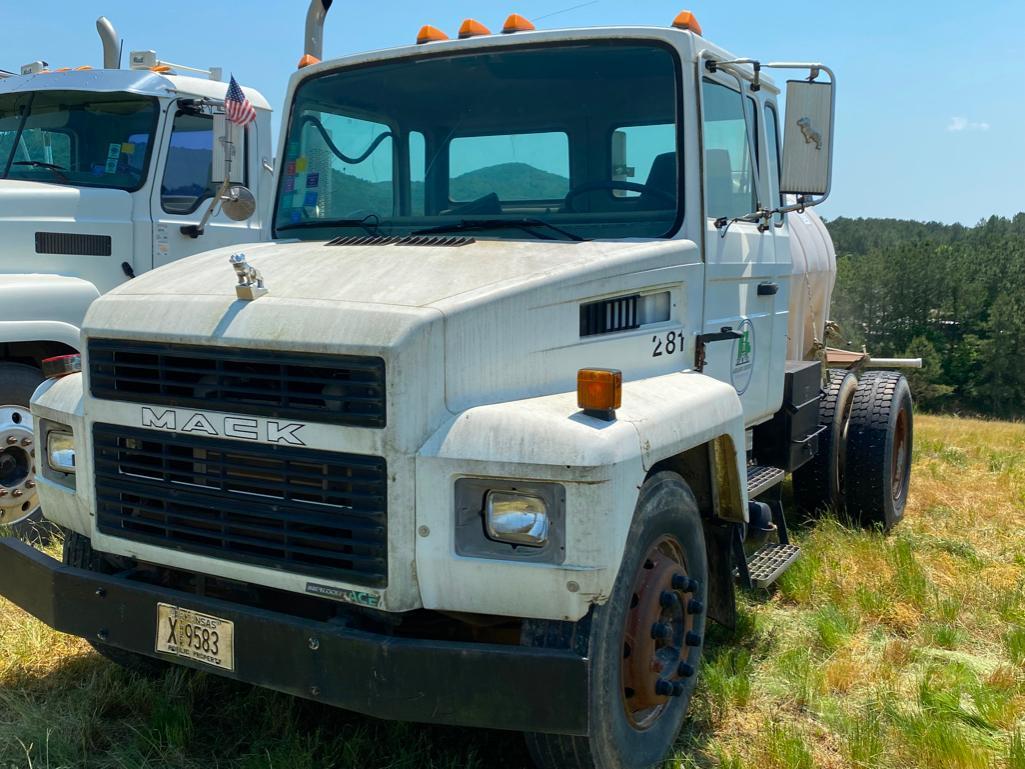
(300, 164)
(311, 199)
(295, 216)
(289, 184)
(313, 180)
(113, 157)
(128, 148)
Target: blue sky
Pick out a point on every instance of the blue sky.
(930, 112)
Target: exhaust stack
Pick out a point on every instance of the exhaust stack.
(111, 46)
(313, 48)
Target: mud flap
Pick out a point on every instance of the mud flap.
(721, 600)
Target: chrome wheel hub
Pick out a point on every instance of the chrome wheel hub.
(18, 495)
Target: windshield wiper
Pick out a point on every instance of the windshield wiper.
(369, 223)
(57, 170)
(525, 224)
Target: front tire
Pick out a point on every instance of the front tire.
(879, 439)
(644, 643)
(19, 499)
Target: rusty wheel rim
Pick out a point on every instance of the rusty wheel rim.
(655, 634)
(901, 456)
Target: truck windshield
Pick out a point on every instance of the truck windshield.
(557, 141)
(77, 137)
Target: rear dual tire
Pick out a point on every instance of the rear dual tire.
(632, 725)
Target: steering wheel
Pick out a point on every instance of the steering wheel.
(614, 184)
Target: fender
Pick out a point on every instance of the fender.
(600, 464)
(60, 401)
(44, 308)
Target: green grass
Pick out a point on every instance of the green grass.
(875, 652)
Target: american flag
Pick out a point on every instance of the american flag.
(237, 106)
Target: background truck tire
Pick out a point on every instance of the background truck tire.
(879, 441)
(818, 485)
(19, 503)
(666, 541)
(78, 552)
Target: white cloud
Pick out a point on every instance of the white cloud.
(957, 124)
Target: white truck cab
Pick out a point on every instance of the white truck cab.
(498, 418)
(102, 173)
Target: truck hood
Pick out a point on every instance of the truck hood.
(404, 275)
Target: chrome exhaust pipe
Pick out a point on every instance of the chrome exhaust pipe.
(314, 45)
(111, 46)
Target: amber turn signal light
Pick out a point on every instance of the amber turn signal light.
(600, 392)
(688, 21)
(307, 60)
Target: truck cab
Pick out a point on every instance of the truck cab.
(102, 173)
(493, 424)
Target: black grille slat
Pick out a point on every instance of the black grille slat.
(342, 389)
(299, 510)
(73, 244)
(402, 240)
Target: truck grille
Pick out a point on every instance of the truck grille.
(335, 389)
(298, 510)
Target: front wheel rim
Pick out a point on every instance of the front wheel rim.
(658, 625)
(19, 498)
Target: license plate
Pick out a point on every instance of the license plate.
(195, 636)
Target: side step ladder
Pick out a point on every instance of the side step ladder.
(765, 565)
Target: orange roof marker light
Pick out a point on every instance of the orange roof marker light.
(160, 68)
(307, 60)
(688, 21)
(429, 34)
(472, 28)
(516, 23)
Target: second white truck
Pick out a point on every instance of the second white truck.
(104, 174)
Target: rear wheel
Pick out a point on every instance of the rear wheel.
(879, 438)
(819, 484)
(78, 552)
(19, 499)
(644, 644)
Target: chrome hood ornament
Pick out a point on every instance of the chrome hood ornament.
(250, 281)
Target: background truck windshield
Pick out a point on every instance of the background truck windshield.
(76, 137)
(581, 136)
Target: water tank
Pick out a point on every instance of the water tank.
(811, 288)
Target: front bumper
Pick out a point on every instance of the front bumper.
(481, 685)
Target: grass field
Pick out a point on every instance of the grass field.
(900, 651)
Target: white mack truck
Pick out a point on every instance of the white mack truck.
(501, 415)
(104, 174)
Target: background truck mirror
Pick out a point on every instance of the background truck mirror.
(808, 138)
(227, 136)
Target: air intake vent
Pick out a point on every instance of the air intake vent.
(608, 315)
(401, 240)
(72, 244)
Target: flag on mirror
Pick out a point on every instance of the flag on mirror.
(237, 106)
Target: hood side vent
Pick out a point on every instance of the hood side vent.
(401, 240)
(609, 315)
(72, 244)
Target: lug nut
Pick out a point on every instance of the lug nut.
(314, 644)
(685, 584)
(26, 441)
(17, 493)
(102, 634)
(667, 598)
(30, 484)
(692, 639)
(663, 688)
(685, 669)
(677, 688)
(694, 606)
(101, 592)
(661, 630)
(3, 492)
(12, 439)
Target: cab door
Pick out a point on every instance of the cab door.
(746, 284)
(185, 188)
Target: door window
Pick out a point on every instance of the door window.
(188, 172)
(730, 188)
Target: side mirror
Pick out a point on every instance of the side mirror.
(225, 152)
(238, 203)
(808, 138)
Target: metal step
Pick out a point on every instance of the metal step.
(769, 561)
(761, 479)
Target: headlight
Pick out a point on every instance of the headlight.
(519, 519)
(60, 451)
